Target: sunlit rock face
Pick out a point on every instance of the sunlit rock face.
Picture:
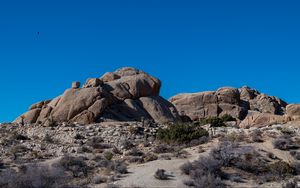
(127, 94)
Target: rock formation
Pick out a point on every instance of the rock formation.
(127, 94)
(227, 100)
(293, 111)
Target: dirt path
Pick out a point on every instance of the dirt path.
(142, 175)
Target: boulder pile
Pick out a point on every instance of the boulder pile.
(127, 94)
(241, 103)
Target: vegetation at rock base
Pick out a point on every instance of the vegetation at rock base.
(181, 133)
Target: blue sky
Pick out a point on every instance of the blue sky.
(190, 45)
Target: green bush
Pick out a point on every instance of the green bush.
(227, 117)
(181, 133)
(216, 121)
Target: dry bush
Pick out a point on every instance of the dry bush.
(163, 148)
(34, 176)
(160, 174)
(256, 136)
(76, 165)
(135, 152)
(283, 143)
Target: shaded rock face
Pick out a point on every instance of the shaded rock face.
(127, 94)
(227, 100)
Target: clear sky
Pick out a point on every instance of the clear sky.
(190, 45)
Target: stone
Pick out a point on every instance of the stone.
(93, 82)
(232, 110)
(75, 85)
(45, 113)
(99, 106)
(115, 96)
(209, 104)
(293, 111)
(228, 95)
(227, 100)
(53, 103)
(109, 76)
(38, 105)
(73, 102)
(256, 119)
(133, 87)
(85, 117)
(29, 117)
(159, 109)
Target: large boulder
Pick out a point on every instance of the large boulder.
(257, 101)
(293, 111)
(29, 117)
(126, 94)
(257, 119)
(210, 104)
(227, 100)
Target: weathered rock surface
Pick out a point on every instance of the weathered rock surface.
(227, 100)
(293, 111)
(257, 119)
(127, 94)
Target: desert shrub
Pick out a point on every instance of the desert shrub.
(295, 154)
(135, 152)
(199, 141)
(282, 143)
(291, 184)
(216, 121)
(205, 172)
(47, 138)
(50, 122)
(76, 165)
(296, 166)
(117, 166)
(133, 159)
(279, 170)
(256, 136)
(150, 157)
(181, 133)
(181, 154)
(271, 155)
(250, 162)
(34, 176)
(126, 144)
(79, 137)
(120, 168)
(97, 143)
(108, 155)
(16, 150)
(234, 137)
(163, 148)
(227, 117)
(160, 174)
(19, 137)
(225, 152)
(136, 130)
(97, 179)
(287, 131)
(208, 181)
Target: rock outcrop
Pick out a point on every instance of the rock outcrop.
(227, 100)
(293, 111)
(257, 119)
(127, 94)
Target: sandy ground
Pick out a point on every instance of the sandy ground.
(142, 175)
